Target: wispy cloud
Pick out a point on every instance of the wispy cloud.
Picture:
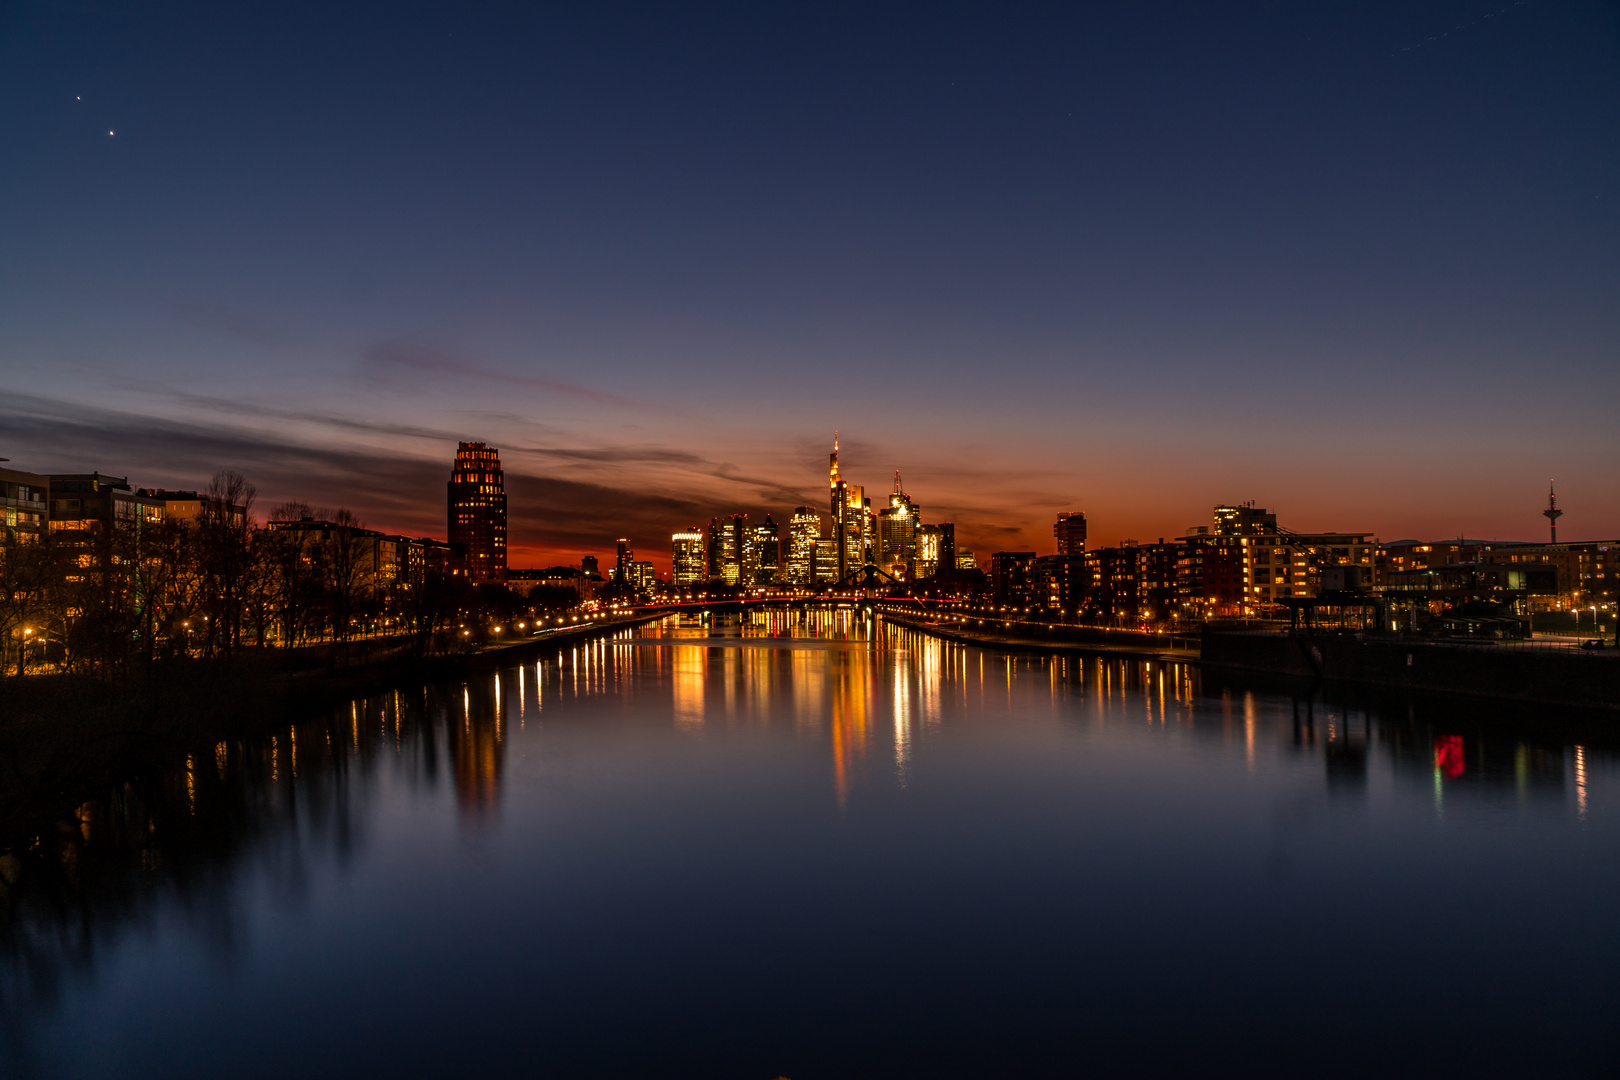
(551, 516)
(387, 358)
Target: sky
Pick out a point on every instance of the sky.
(1357, 263)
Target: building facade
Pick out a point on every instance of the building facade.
(804, 529)
(1070, 532)
(26, 498)
(477, 511)
(687, 566)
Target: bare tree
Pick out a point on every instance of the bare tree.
(227, 529)
(350, 563)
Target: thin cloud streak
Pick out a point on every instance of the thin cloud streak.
(388, 356)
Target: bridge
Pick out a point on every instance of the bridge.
(863, 588)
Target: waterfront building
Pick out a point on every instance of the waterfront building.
(1158, 596)
(965, 559)
(26, 499)
(1012, 575)
(1586, 570)
(477, 511)
(84, 509)
(1062, 582)
(349, 558)
(687, 567)
(1070, 532)
(804, 529)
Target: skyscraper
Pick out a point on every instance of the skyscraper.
(897, 534)
(804, 529)
(477, 505)
(765, 554)
(686, 558)
(730, 549)
(849, 512)
(622, 560)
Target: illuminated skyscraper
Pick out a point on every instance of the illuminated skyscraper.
(849, 513)
(897, 534)
(804, 529)
(730, 549)
(621, 563)
(928, 544)
(686, 558)
(477, 504)
(826, 561)
(764, 554)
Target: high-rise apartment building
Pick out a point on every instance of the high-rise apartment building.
(686, 558)
(804, 529)
(1070, 531)
(477, 505)
(1012, 573)
(1245, 519)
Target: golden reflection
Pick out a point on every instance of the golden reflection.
(477, 752)
(929, 654)
(688, 670)
(809, 680)
(902, 719)
(1248, 728)
(1580, 781)
(849, 718)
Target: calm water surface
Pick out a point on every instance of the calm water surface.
(814, 847)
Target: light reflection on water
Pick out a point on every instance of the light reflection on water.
(808, 844)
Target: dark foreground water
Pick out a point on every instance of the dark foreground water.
(817, 849)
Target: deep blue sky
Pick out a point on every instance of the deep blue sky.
(1358, 262)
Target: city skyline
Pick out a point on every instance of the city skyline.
(653, 525)
(1356, 265)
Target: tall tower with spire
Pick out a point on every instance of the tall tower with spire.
(897, 534)
(1552, 513)
(848, 517)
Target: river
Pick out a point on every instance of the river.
(817, 845)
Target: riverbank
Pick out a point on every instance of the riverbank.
(62, 739)
(1059, 639)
